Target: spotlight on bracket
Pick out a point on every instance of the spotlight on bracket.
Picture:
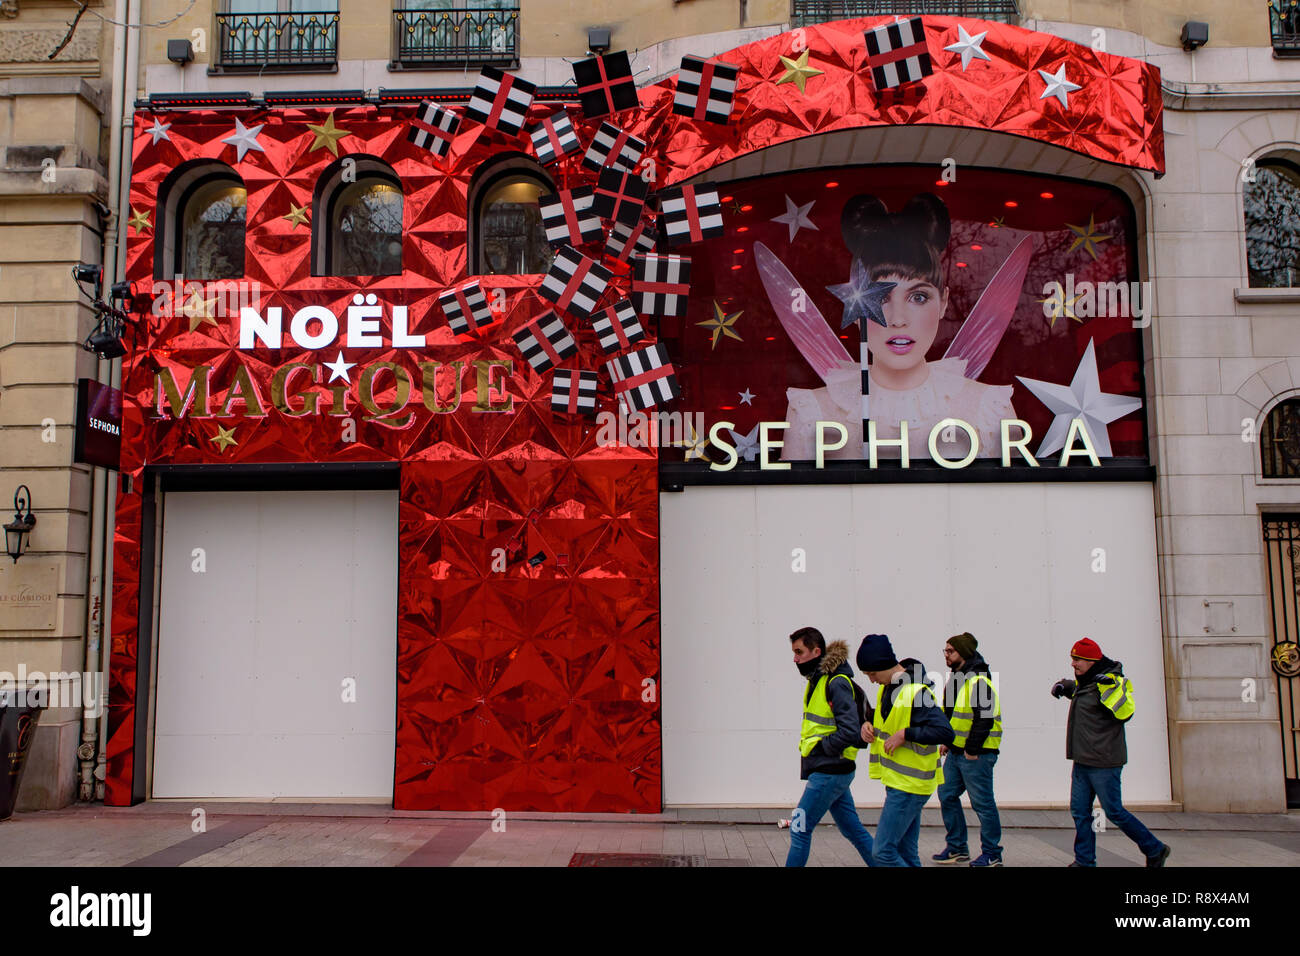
(597, 40)
(1195, 35)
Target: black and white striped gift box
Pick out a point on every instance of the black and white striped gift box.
(613, 147)
(661, 285)
(570, 218)
(554, 137)
(705, 89)
(605, 84)
(574, 282)
(433, 128)
(690, 213)
(644, 378)
(464, 303)
(620, 196)
(897, 54)
(573, 393)
(618, 327)
(545, 341)
(627, 240)
(501, 100)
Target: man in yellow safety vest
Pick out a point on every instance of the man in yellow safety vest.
(905, 735)
(971, 702)
(1101, 702)
(827, 745)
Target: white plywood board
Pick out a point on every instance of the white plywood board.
(1011, 563)
(298, 592)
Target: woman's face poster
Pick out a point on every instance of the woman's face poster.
(986, 298)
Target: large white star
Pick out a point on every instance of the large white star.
(1057, 85)
(968, 46)
(746, 445)
(1082, 399)
(339, 369)
(746, 397)
(159, 131)
(244, 139)
(796, 217)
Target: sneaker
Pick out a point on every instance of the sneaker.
(947, 856)
(783, 824)
(1159, 858)
(985, 860)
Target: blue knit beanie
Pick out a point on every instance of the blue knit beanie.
(875, 654)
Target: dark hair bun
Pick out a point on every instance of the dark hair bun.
(873, 234)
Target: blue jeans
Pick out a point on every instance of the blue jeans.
(976, 778)
(899, 829)
(1104, 782)
(826, 791)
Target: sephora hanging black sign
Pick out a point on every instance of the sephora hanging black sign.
(99, 424)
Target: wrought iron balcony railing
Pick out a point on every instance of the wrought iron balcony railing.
(807, 12)
(262, 40)
(430, 38)
(1284, 24)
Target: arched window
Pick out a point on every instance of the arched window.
(357, 220)
(200, 233)
(1279, 441)
(507, 236)
(1272, 206)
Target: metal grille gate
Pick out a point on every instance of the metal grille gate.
(1282, 548)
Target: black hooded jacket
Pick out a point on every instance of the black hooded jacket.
(982, 722)
(827, 757)
(1094, 737)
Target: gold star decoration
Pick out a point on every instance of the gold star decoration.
(297, 215)
(722, 324)
(998, 222)
(1087, 237)
(199, 310)
(224, 438)
(695, 445)
(327, 135)
(797, 71)
(1059, 306)
(139, 220)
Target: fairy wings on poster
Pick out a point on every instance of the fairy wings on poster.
(975, 341)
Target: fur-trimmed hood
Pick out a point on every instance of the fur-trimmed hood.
(837, 654)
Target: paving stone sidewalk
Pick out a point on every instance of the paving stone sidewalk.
(162, 834)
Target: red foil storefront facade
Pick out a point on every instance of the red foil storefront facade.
(534, 687)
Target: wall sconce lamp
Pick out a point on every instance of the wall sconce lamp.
(16, 531)
(597, 40)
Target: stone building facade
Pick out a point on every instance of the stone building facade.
(1221, 355)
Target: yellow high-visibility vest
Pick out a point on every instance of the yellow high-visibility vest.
(963, 714)
(819, 720)
(1116, 693)
(913, 768)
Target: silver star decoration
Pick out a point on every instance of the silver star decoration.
(1082, 399)
(746, 397)
(861, 296)
(1057, 85)
(968, 46)
(244, 139)
(796, 217)
(339, 369)
(159, 131)
(746, 445)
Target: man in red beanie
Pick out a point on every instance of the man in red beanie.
(1101, 702)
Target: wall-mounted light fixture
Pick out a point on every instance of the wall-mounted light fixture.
(180, 52)
(105, 339)
(17, 531)
(597, 40)
(1195, 34)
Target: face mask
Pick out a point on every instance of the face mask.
(810, 666)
